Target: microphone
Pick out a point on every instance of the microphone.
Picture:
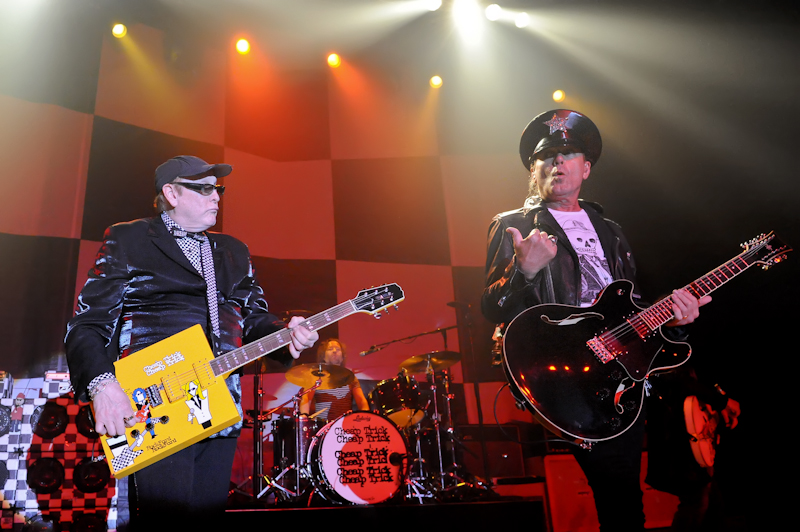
(369, 351)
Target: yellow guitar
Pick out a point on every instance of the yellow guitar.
(178, 388)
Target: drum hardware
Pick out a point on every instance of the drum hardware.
(294, 434)
(430, 364)
(419, 482)
(300, 427)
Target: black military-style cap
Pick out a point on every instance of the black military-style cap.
(559, 128)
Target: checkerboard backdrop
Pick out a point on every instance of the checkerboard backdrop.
(364, 175)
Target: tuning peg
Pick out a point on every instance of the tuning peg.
(377, 315)
(396, 307)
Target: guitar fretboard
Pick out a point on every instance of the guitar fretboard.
(371, 301)
(654, 317)
(237, 358)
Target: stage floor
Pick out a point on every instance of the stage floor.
(482, 515)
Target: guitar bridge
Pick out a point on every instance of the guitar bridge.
(153, 395)
(600, 350)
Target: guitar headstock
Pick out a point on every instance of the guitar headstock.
(374, 300)
(767, 250)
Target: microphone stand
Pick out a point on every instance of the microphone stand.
(440, 330)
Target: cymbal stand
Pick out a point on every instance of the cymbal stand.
(415, 487)
(457, 478)
(437, 419)
(298, 467)
(453, 466)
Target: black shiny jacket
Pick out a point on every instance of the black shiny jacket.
(507, 293)
(143, 289)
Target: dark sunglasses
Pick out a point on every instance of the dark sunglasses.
(202, 188)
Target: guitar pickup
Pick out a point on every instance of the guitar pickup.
(173, 389)
(600, 350)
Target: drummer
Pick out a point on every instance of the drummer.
(337, 401)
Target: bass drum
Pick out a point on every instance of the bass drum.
(358, 458)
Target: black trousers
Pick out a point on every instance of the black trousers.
(189, 487)
(613, 470)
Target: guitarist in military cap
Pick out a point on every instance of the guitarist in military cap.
(560, 249)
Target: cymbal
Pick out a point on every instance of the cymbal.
(435, 360)
(306, 375)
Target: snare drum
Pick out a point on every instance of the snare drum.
(358, 459)
(399, 400)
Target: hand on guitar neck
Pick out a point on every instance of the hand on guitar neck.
(685, 307)
(302, 338)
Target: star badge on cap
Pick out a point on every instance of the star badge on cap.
(557, 124)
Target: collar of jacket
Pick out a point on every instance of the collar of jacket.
(164, 240)
(535, 203)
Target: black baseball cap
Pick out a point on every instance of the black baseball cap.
(560, 128)
(187, 166)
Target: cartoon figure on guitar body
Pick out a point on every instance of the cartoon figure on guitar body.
(197, 402)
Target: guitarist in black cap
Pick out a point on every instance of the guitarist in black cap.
(559, 249)
(153, 278)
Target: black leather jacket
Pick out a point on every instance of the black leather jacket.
(507, 293)
(143, 289)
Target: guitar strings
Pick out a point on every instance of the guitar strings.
(334, 314)
(662, 309)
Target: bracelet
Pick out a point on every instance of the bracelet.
(99, 383)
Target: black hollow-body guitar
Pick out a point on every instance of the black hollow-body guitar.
(581, 370)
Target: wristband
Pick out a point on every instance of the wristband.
(98, 384)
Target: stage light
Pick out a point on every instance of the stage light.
(432, 5)
(436, 82)
(334, 60)
(468, 20)
(522, 20)
(242, 46)
(559, 95)
(119, 30)
(493, 12)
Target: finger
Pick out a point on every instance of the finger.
(112, 429)
(301, 336)
(681, 304)
(294, 352)
(516, 236)
(295, 321)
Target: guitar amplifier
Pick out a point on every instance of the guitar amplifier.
(571, 501)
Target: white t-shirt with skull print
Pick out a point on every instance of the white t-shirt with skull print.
(595, 273)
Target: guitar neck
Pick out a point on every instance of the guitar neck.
(237, 358)
(661, 313)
